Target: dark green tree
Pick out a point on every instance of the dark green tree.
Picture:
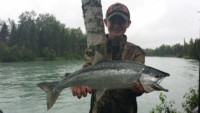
(27, 31)
(188, 50)
(197, 49)
(13, 34)
(177, 50)
(51, 32)
(4, 33)
(41, 36)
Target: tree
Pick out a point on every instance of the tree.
(188, 50)
(13, 34)
(93, 18)
(41, 36)
(4, 33)
(197, 49)
(48, 54)
(51, 32)
(27, 30)
(177, 50)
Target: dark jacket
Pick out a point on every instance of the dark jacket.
(117, 101)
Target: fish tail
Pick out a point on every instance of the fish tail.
(52, 92)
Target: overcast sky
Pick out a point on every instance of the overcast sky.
(154, 22)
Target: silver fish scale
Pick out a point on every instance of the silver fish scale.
(115, 64)
(106, 74)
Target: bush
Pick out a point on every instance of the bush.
(191, 102)
(27, 54)
(73, 56)
(4, 50)
(164, 106)
(15, 53)
(191, 99)
(48, 54)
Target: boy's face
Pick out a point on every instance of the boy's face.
(117, 26)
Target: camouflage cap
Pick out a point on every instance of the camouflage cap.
(118, 9)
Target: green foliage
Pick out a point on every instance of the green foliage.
(13, 34)
(4, 32)
(149, 52)
(164, 106)
(191, 50)
(39, 36)
(73, 56)
(166, 50)
(48, 54)
(196, 49)
(14, 53)
(190, 102)
(3, 50)
(191, 99)
(28, 54)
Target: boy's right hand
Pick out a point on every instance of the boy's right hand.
(80, 91)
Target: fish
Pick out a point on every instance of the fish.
(107, 75)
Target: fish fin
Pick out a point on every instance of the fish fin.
(51, 91)
(98, 57)
(99, 94)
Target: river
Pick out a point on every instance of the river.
(19, 93)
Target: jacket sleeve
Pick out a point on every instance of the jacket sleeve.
(139, 55)
(89, 56)
(90, 53)
(140, 58)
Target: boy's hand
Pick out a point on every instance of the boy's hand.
(80, 91)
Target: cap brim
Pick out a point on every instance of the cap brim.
(120, 14)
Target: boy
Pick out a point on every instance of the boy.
(115, 101)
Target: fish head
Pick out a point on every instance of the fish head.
(150, 79)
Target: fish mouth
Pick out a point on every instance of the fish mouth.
(160, 80)
(150, 81)
(158, 87)
(153, 87)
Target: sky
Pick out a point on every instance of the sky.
(154, 22)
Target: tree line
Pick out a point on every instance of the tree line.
(39, 37)
(43, 37)
(187, 50)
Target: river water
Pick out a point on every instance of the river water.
(19, 93)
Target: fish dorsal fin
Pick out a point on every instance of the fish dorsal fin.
(98, 57)
(99, 94)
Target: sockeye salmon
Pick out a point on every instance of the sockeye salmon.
(107, 75)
